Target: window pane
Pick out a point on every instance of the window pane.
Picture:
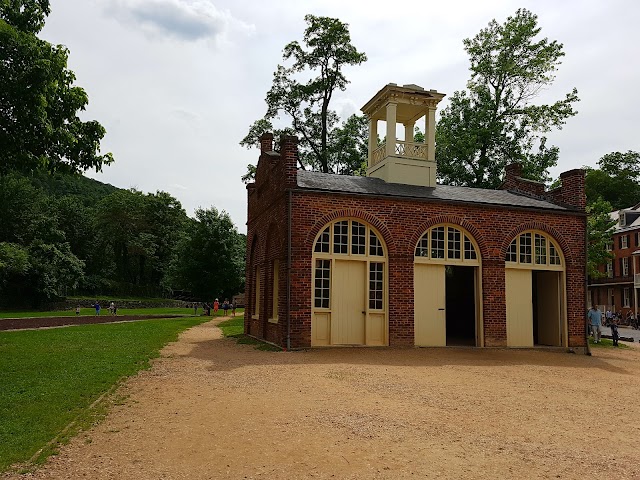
(512, 252)
(375, 246)
(525, 248)
(554, 258)
(469, 249)
(323, 274)
(322, 245)
(358, 238)
(453, 243)
(422, 250)
(341, 237)
(437, 242)
(376, 284)
(541, 249)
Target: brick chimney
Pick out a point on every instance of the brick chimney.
(514, 182)
(289, 157)
(266, 142)
(573, 192)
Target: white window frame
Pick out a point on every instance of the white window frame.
(609, 268)
(533, 250)
(625, 241)
(626, 299)
(276, 280)
(625, 266)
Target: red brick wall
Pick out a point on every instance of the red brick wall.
(402, 223)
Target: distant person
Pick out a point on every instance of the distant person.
(78, 310)
(595, 320)
(608, 317)
(115, 308)
(615, 336)
(216, 306)
(195, 308)
(233, 308)
(225, 306)
(111, 307)
(97, 306)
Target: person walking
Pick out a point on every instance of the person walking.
(615, 336)
(97, 306)
(225, 306)
(216, 306)
(595, 320)
(233, 308)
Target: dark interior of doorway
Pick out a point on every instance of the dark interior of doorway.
(461, 309)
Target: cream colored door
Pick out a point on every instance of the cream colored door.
(347, 304)
(429, 305)
(518, 290)
(549, 308)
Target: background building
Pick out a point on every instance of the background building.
(617, 290)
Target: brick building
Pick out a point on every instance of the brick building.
(393, 259)
(617, 290)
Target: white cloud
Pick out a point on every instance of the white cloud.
(187, 20)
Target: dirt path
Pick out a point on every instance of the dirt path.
(212, 409)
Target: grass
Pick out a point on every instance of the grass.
(606, 343)
(234, 328)
(50, 378)
(104, 311)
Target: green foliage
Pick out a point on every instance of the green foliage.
(493, 123)
(39, 124)
(327, 51)
(599, 231)
(209, 260)
(616, 181)
(50, 377)
(234, 328)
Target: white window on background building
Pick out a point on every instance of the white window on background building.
(610, 269)
(625, 267)
(610, 296)
(624, 239)
(625, 299)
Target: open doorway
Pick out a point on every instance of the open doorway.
(461, 305)
(546, 308)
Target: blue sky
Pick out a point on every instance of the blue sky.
(177, 83)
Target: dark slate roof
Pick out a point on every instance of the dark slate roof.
(440, 193)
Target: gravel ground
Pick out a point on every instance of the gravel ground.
(211, 409)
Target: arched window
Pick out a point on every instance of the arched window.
(349, 290)
(447, 244)
(534, 249)
(349, 237)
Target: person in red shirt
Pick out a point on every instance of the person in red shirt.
(216, 305)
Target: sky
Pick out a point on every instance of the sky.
(177, 83)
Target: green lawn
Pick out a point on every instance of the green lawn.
(49, 378)
(104, 311)
(606, 343)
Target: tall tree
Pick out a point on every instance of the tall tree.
(599, 232)
(209, 261)
(617, 180)
(39, 124)
(493, 122)
(327, 50)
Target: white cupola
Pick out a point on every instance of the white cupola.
(403, 161)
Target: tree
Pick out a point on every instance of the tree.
(493, 122)
(616, 181)
(327, 51)
(39, 124)
(599, 231)
(209, 261)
